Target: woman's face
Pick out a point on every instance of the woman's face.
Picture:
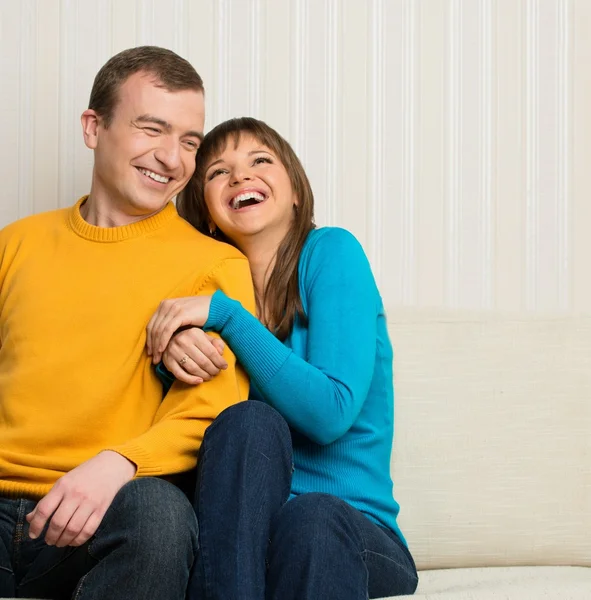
(248, 192)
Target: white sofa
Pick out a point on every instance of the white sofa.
(492, 453)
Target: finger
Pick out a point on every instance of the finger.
(75, 525)
(219, 345)
(39, 516)
(88, 530)
(162, 315)
(193, 368)
(167, 330)
(180, 374)
(215, 352)
(197, 362)
(149, 332)
(60, 520)
(175, 354)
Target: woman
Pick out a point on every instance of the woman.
(294, 496)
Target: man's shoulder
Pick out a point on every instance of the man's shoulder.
(31, 224)
(205, 246)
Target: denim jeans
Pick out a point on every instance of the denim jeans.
(257, 544)
(144, 548)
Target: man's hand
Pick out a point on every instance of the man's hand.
(78, 501)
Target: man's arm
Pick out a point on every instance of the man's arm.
(80, 499)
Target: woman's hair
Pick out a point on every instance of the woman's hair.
(280, 303)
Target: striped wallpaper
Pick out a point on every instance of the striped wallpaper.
(453, 137)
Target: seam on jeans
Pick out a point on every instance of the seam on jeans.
(6, 569)
(203, 558)
(17, 538)
(79, 587)
(389, 559)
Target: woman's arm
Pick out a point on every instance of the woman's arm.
(321, 396)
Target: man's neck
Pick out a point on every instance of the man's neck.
(98, 214)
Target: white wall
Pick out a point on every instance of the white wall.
(451, 136)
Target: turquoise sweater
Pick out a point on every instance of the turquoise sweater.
(331, 379)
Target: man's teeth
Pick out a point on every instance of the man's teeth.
(155, 176)
(256, 196)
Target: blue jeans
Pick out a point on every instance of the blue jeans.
(144, 549)
(255, 544)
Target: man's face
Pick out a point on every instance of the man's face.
(147, 154)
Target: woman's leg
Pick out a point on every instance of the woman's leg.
(324, 549)
(243, 479)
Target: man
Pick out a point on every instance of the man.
(86, 440)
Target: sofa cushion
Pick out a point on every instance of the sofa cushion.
(512, 583)
(492, 455)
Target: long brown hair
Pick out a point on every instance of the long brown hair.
(280, 303)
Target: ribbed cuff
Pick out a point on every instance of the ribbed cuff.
(220, 310)
(146, 467)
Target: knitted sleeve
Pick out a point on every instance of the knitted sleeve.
(172, 443)
(321, 396)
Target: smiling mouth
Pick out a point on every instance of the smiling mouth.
(246, 199)
(154, 176)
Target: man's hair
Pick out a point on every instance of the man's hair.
(170, 71)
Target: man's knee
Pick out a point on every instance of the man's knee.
(150, 513)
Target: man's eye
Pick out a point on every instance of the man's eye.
(152, 129)
(192, 145)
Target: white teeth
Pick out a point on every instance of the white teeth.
(246, 196)
(155, 176)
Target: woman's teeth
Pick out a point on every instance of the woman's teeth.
(246, 199)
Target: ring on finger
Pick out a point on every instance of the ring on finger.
(183, 360)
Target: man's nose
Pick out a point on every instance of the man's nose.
(169, 154)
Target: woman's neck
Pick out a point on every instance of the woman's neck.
(261, 252)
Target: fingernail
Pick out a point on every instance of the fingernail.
(32, 535)
(199, 380)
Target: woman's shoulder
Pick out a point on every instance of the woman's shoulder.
(333, 254)
(324, 242)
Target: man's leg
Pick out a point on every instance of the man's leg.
(324, 549)
(144, 549)
(243, 479)
(8, 512)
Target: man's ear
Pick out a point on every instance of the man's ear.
(90, 125)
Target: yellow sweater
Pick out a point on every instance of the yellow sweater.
(75, 378)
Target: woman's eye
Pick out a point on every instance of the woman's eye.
(261, 159)
(215, 174)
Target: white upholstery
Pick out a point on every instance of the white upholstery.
(492, 455)
(505, 583)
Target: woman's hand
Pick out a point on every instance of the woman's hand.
(172, 315)
(193, 357)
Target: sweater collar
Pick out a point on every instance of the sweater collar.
(118, 234)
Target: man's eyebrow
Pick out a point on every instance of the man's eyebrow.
(167, 126)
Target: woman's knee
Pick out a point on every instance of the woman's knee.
(249, 418)
(311, 517)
